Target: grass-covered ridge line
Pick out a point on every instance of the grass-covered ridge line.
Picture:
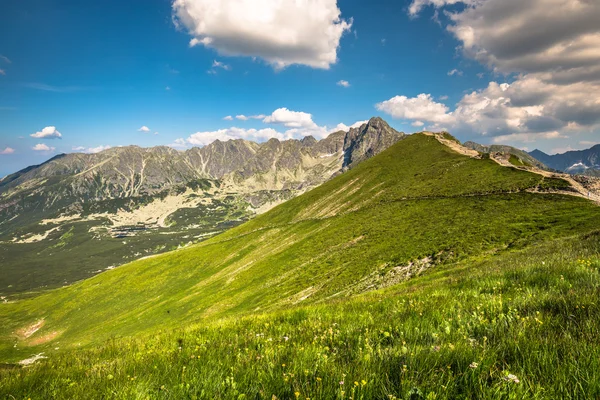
(520, 325)
(417, 200)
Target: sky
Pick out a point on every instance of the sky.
(83, 76)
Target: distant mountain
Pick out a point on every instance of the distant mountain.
(574, 162)
(525, 158)
(132, 171)
(157, 199)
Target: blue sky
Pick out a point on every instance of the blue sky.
(96, 72)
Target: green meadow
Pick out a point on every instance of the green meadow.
(419, 274)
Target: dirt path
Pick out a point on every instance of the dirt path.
(580, 190)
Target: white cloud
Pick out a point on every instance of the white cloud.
(528, 137)
(443, 98)
(420, 108)
(511, 111)
(144, 129)
(2, 72)
(241, 117)
(218, 64)
(90, 150)
(456, 72)
(344, 83)
(290, 119)
(156, 133)
(42, 147)
(282, 32)
(417, 5)
(205, 138)
(48, 132)
(228, 118)
(551, 47)
(588, 143)
(346, 128)
(7, 150)
(418, 124)
(299, 124)
(179, 144)
(97, 149)
(5, 59)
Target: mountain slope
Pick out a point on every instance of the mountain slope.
(415, 206)
(79, 214)
(573, 162)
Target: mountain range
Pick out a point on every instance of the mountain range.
(585, 162)
(157, 199)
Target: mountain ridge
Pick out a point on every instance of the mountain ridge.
(157, 199)
(585, 162)
(526, 158)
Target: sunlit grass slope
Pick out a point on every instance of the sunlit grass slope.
(521, 324)
(416, 201)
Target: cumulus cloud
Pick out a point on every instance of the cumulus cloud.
(179, 144)
(241, 117)
(48, 132)
(420, 108)
(298, 125)
(344, 83)
(42, 147)
(228, 118)
(346, 128)
(290, 119)
(7, 150)
(97, 149)
(281, 32)
(90, 150)
(550, 47)
(144, 129)
(527, 106)
(257, 135)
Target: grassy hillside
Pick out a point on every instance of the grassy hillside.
(522, 324)
(416, 209)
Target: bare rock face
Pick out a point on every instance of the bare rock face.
(243, 167)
